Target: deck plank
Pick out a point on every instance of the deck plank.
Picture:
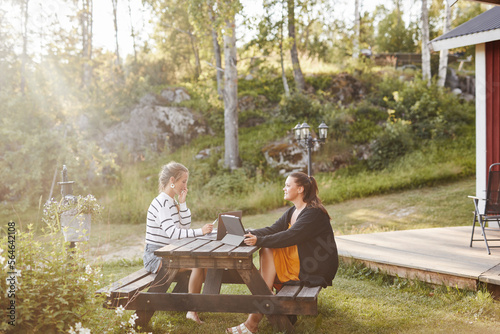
(492, 276)
(434, 255)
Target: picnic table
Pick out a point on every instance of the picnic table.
(147, 293)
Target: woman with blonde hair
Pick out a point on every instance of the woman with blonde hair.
(168, 218)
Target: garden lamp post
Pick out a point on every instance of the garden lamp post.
(303, 136)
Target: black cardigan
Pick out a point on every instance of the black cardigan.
(313, 235)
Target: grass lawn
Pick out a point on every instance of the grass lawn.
(360, 301)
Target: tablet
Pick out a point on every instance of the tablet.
(235, 233)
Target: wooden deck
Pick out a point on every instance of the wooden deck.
(435, 255)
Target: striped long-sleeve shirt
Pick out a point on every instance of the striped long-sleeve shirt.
(165, 222)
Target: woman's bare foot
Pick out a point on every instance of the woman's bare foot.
(193, 316)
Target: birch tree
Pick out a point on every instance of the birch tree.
(355, 40)
(86, 20)
(132, 32)
(231, 153)
(286, 88)
(426, 54)
(177, 35)
(216, 48)
(24, 58)
(115, 23)
(297, 72)
(443, 54)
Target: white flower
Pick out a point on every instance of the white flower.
(132, 319)
(88, 269)
(79, 329)
(81, 279)
(119, 310)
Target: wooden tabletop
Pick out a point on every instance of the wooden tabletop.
(199, 247)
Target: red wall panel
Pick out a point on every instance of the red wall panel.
(492, 102)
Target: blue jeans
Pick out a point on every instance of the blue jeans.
(151, 261)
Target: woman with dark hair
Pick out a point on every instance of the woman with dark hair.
(299, 248)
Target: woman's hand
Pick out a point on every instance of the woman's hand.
(250, 239)
(182, 196)
(207, 228)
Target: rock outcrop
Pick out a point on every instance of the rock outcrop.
(156, 124)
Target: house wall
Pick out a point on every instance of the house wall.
(481, 169)
(492, 53)
(492, 106)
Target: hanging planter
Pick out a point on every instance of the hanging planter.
(73, 216)
(75, 226)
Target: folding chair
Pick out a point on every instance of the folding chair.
(491, 208)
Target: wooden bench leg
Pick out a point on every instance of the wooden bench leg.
(162, 282)
(257, 286)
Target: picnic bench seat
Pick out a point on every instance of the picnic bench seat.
(304, 297)
(147, 293)
(294, 299)
(125, 288)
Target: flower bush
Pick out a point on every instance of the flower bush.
(52, 210)
(54, 288)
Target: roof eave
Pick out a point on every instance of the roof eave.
(465, 40)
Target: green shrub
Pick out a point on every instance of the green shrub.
(52, 287)
(395, 141)
(299, 107)
(232, 183)
(53, 284)
(270, 86)
(432, 111)
(387, 83)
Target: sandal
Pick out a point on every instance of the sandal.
(240, 329)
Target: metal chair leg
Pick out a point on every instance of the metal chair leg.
(481, 222)
(473, 227)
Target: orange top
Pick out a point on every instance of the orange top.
(286, 262)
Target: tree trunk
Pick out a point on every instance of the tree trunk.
(132, 32)
(355, 40)
(231, 154)
(297, 72)
(115, 21)
(443, 54)
(196, 53)
(216, 46)
(86, 16)
(283, 74)
(24, 59)
(426, 54)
